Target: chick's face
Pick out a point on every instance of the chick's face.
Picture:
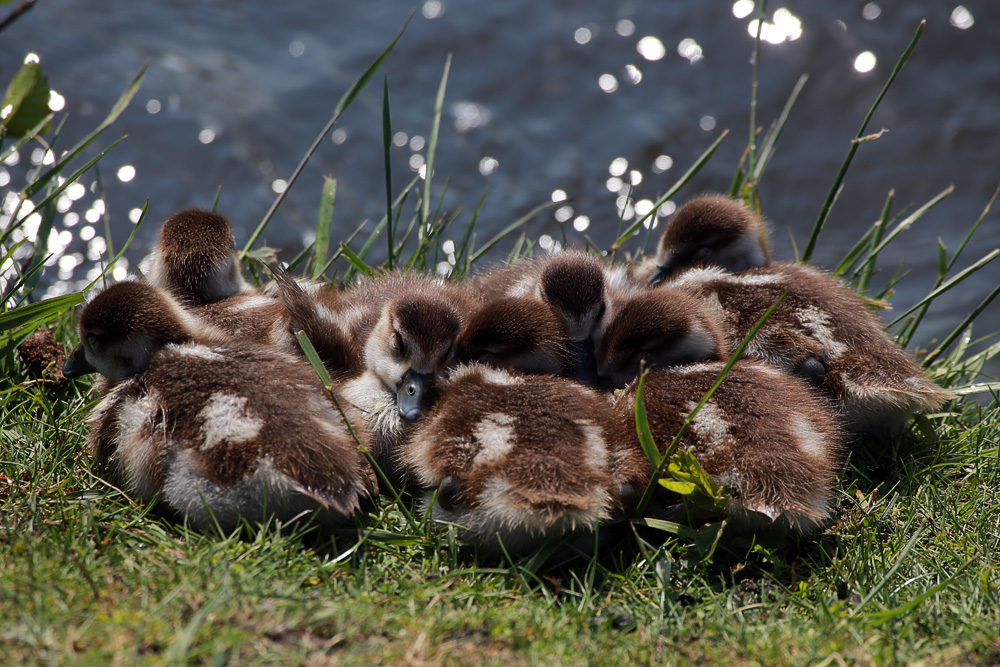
(412, 336)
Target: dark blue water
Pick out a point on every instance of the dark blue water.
(236, 91)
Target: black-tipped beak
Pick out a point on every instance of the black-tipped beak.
(77, 364)
(586, 362)
(413, 395)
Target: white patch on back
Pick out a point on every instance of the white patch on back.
(137, 449)
(196, 350)
(817, 322)
(710, 425)
(226, 418)
(701, 275)
(495, 436)
(251, 302)
(486, 374)
(809, 441)
(595, 450)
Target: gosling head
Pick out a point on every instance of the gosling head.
(196, 258)
(711, 231)
(121, 329)
(658, 329)
(572, 285)
(517, 334)
(411, 348)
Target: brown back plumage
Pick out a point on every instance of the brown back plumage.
(515, 459)
(762, 431)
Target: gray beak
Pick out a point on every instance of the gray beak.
(77, 364)
(663, 272)
(413, 396)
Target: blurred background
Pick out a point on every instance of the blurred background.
(570, 102)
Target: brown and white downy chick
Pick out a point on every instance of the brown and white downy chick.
(225, 432)
(573, 286)
(822, 331)
(406, 327)
(762, 431)
(710, 231)
(196, 261)
(516, 460)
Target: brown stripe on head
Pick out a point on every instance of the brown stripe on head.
(193, 246)
(516, 333)
(429, 321)
(573, 285)
(660, 327)
(130, 308)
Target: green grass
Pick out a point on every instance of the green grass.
(910, 572)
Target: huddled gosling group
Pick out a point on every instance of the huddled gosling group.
(504, 402)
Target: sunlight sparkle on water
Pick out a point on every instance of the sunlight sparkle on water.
(618, 166)
(278, 185)
(126, 173)
(786, 27)
(399, 139)
(625, 28)
(662, 163)
(417, 143)
(707, 123)
(651, 48)
(961, 18)
(31, 58)
(633, 74)
(488, 165)
(865, 62)
(871, 11)
(134, 215)
(563, 213)
(581, 223)
(690, 49)
(296, 48)
(558, 195)
(153, 107)
(582, 35)
(206, 136)
(742, 8)
(338, 136)
(432, 9)
(56, 101)
(608, 83)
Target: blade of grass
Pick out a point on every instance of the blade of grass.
(321, 246)
(357, 262)
(910, 219)
(642, 425)
(949, 284)
(425, 207)
(647, 495)
(755, 67)
(128, 242)
(771, 139)
(345, 101)
(386, 144)
(59, 189)
(508, 229)
(957, 331)
(688, 175)
(336, 255)
(38, 312)
(824, 212)
(324, 377)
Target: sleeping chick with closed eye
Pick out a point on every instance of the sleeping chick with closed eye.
(821, 331)
(224, 432)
